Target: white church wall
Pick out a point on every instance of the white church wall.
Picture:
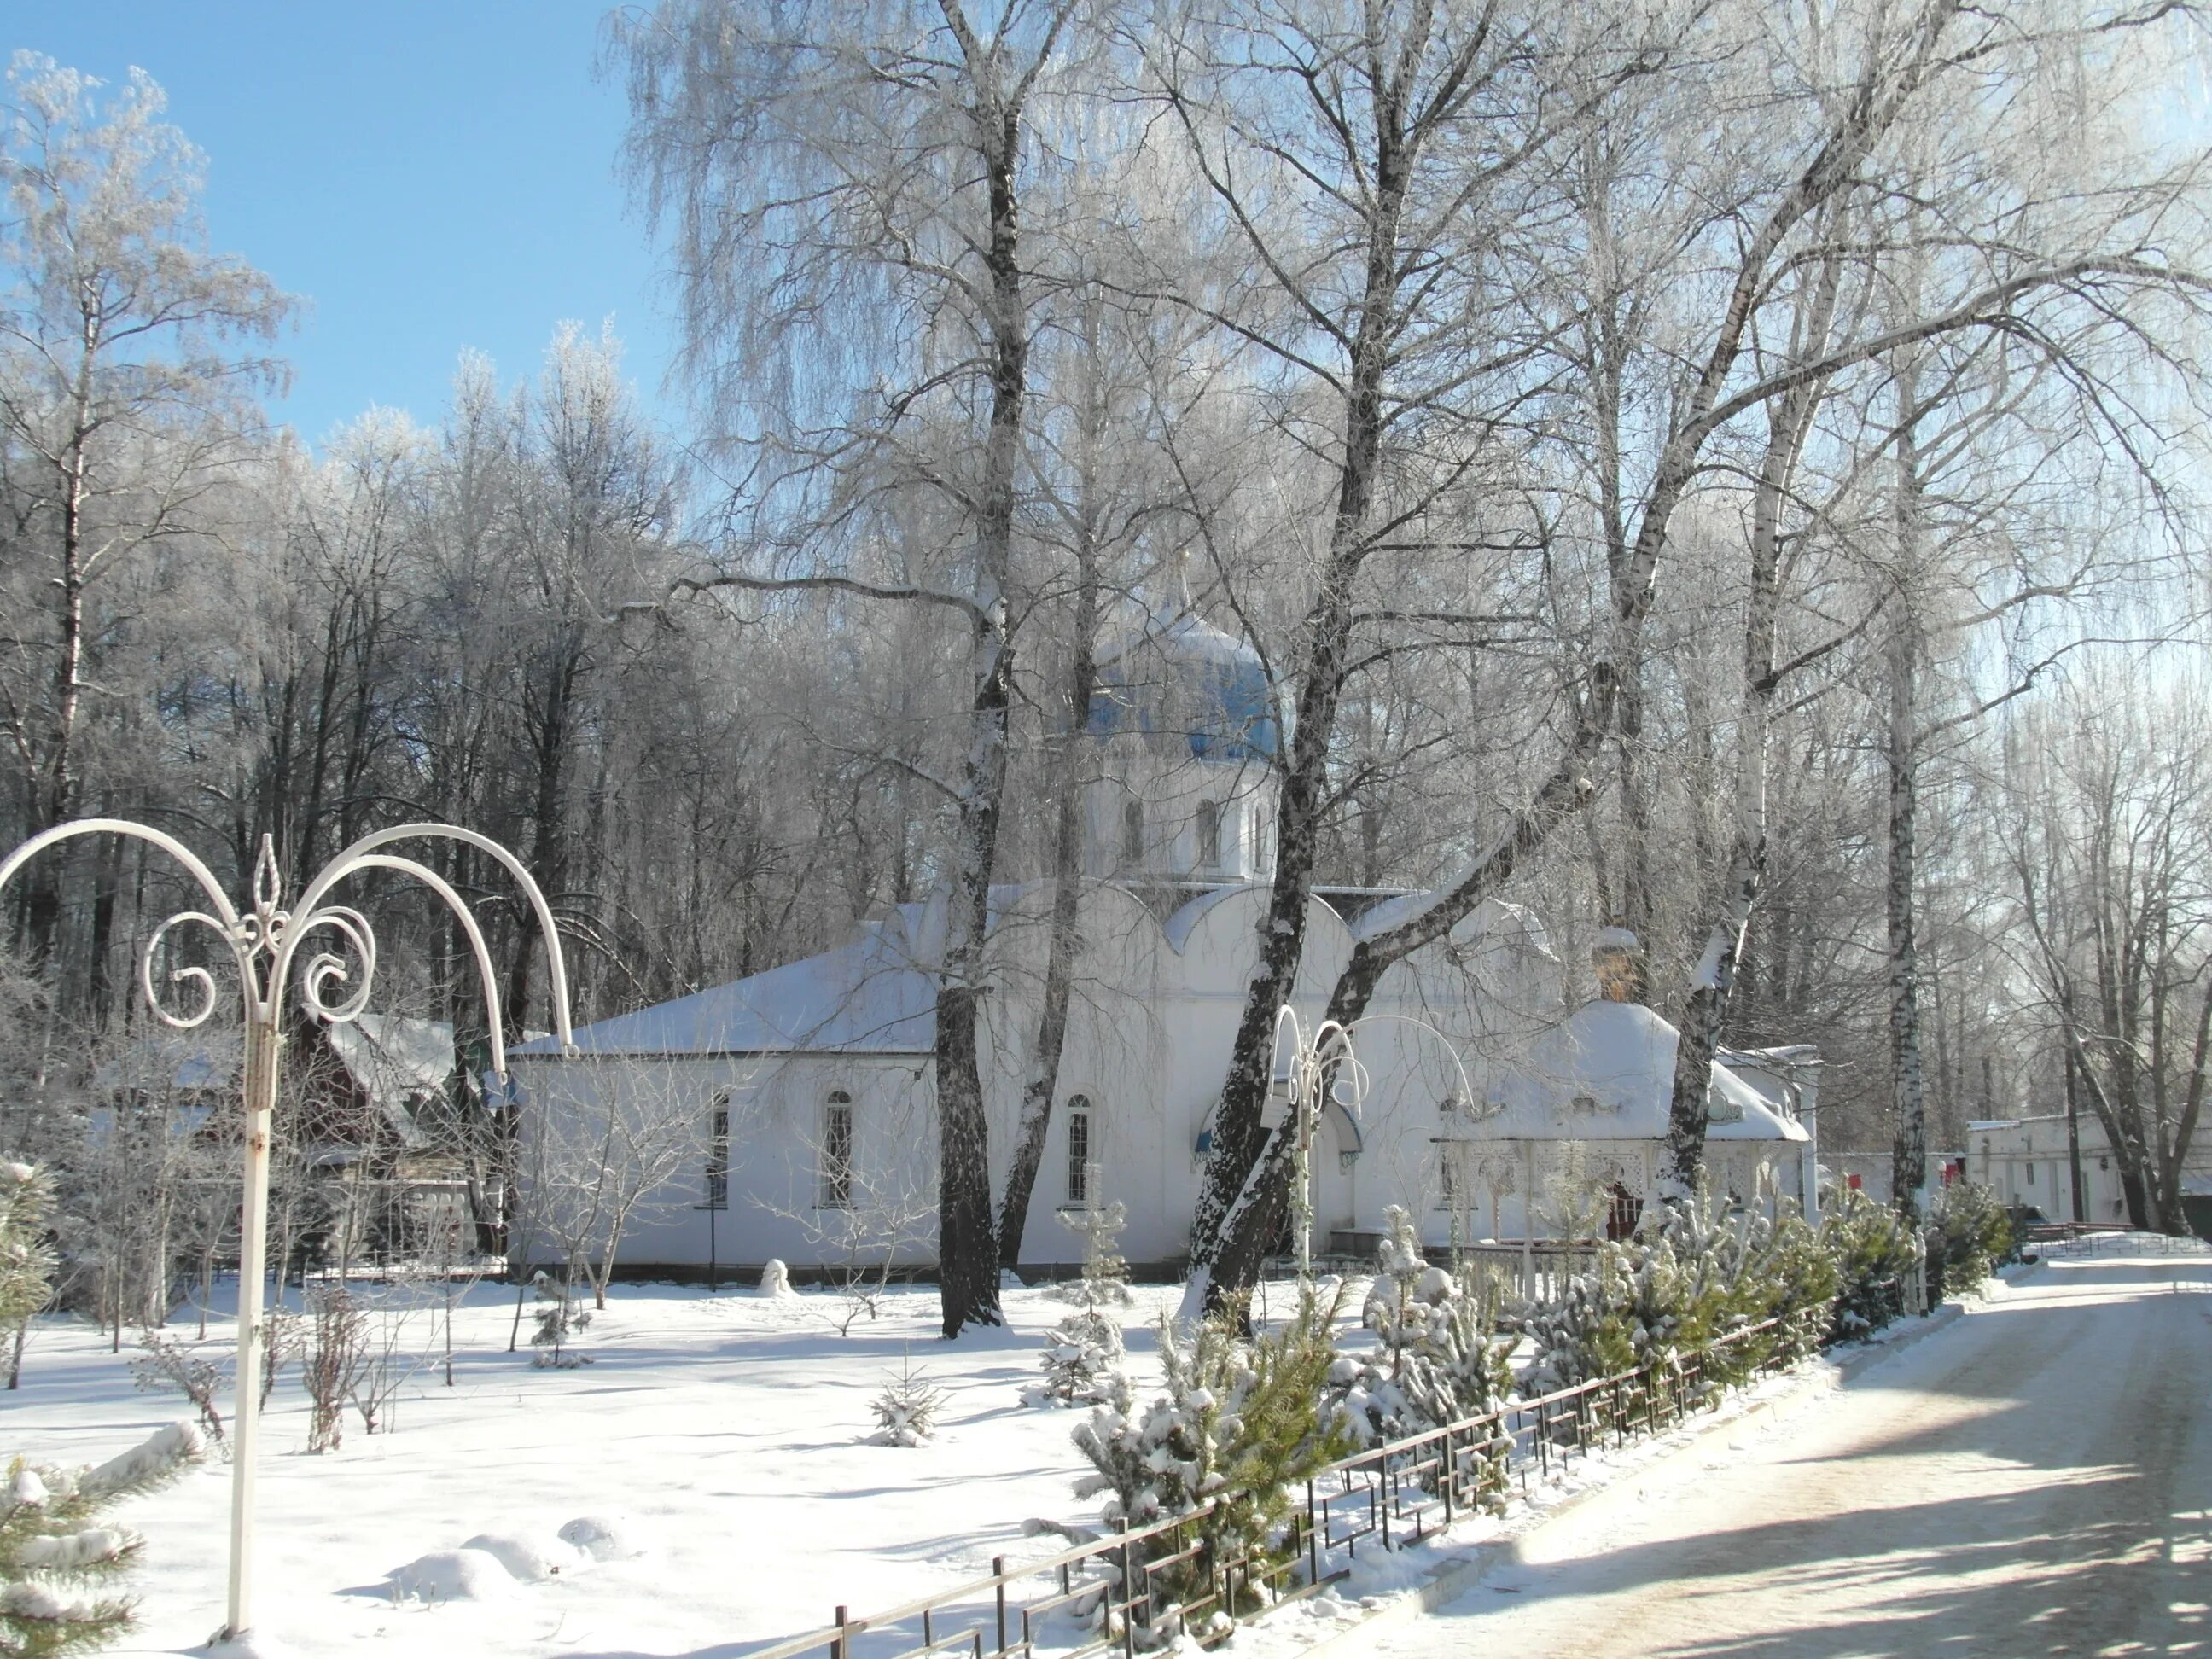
(775, 1192)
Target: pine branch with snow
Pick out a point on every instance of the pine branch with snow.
(1240, 1427)
(1439, 1356)
(57, 1564)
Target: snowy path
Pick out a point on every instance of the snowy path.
(2035, 1481)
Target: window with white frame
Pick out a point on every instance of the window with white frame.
(837, 1162)
(1081, 1150)
(1132, 832)
(1209, 834)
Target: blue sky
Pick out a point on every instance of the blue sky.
(427, 176)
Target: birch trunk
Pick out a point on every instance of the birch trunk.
(967, 1251)
(1790, 420)
(1909, 1152)
(1064, 943)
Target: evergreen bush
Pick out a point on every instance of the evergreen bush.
(57, 1564)
(1873, 1251)
(1969, 1232)
(1439, 1358)
(1240, 1427)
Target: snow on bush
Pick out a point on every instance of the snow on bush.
(1240, 1427)
(906, 1411)
(1873, 1252)
(529, 1560)
(1969, 1232)
(55, 1567)
(1438, 1357)
(1082, 1362)
(601, 1537)
(462, 1575)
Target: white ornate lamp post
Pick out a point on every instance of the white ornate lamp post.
(264, 943)
(1312, 1059)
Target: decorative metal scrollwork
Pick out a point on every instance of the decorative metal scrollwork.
(336, 980)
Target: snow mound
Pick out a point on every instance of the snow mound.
(529, 1560)
(776, 1279)
(463, 1575)
(601, 1537)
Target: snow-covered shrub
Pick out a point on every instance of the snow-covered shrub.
(27, 1255)
(166, 1363)
(1082, 1362)
(1796, 1281)
(1968, 1233)
(55, 1564)
(1581, 1334)
(1240, 1428)
(1873, 1251)
(906, 1411)
(1439, 1357)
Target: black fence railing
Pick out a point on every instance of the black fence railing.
(1136, 1590)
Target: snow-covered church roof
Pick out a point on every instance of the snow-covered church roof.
(1607, 1073)
(867, 996)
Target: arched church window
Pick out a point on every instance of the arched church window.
(1081, 1150)
(1132, 832)
(1209, 834)
(836, 1159)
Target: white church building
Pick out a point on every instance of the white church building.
(1494, 1108)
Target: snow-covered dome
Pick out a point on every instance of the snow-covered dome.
(1173, 675)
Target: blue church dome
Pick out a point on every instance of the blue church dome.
(1176, 676)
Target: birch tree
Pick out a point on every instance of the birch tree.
(122, 397)
(827, 173)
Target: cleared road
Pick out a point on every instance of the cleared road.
(2034, 1480)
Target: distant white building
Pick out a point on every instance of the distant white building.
(1493, 1109)
(2027, 1160)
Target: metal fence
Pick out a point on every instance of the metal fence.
(1138, 1589)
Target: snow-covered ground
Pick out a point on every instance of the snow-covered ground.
(722, 1441)
(725, 1434)
(2036, 1480)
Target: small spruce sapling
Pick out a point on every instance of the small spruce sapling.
(1240, 1428)
(559, 1319)
(906, 1411)
(1439, 1358)
(1083, 1352)
(57, 1564)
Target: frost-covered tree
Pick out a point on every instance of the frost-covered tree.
(877, 163)
(123, 403)
(1083, 1352)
